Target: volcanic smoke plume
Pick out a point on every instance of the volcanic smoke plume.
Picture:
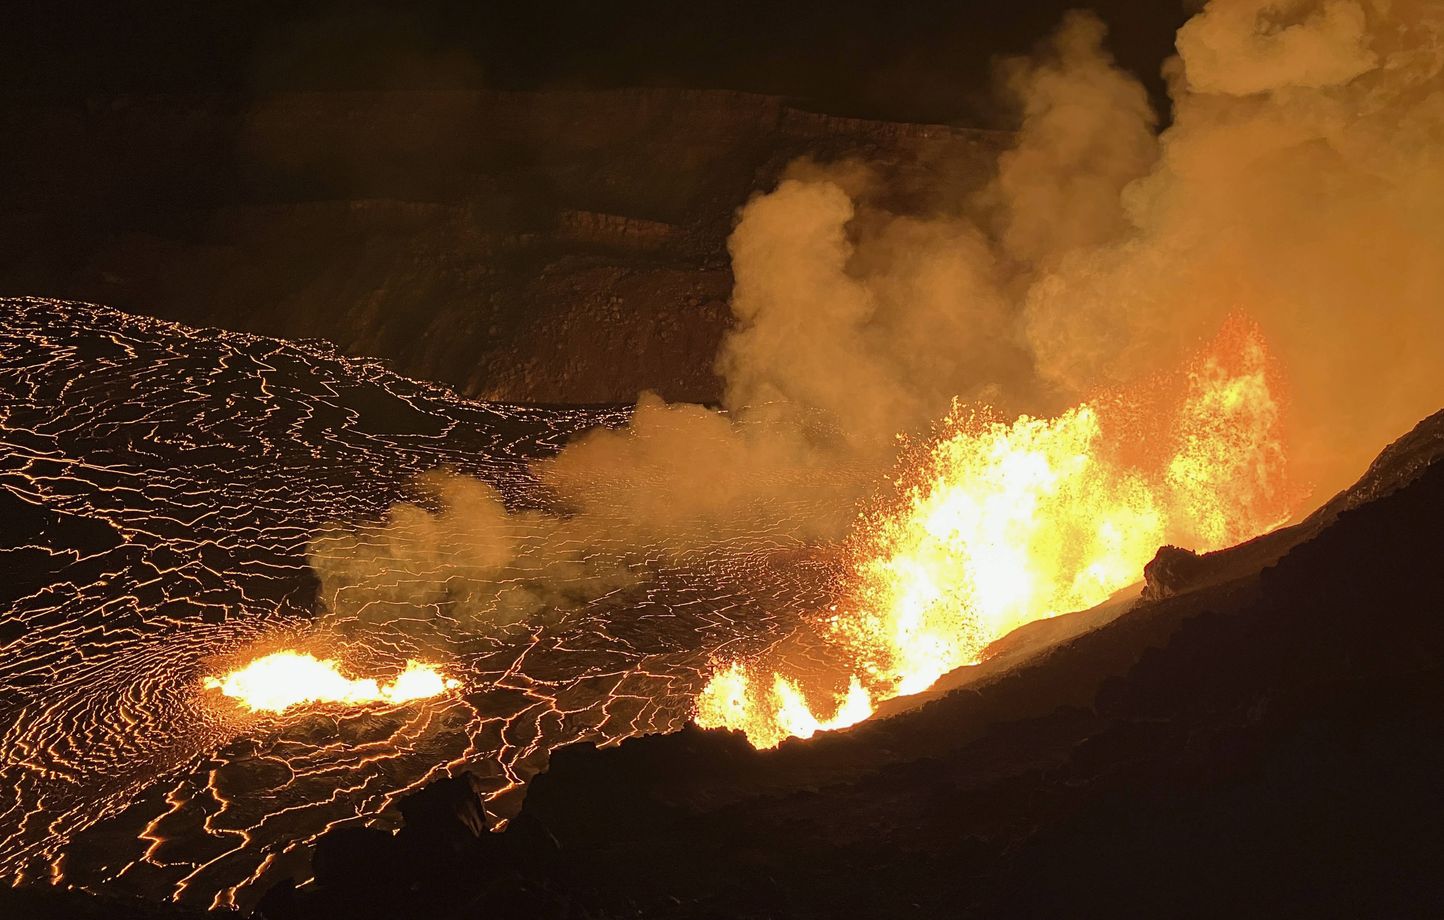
(1168, 317)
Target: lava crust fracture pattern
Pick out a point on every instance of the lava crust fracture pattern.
(159, 489)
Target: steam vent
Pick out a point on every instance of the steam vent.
(487, 461)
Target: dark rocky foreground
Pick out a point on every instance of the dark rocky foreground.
(552, 247)
(1257, 745)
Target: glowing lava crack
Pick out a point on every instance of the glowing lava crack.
(280, 681)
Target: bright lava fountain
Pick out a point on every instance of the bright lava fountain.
(1006, 523)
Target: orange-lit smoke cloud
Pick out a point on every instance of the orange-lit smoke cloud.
(1300, 183)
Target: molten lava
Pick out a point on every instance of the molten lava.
(1006, 523)
(279, 681)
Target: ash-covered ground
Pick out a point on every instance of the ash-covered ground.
(161, 487)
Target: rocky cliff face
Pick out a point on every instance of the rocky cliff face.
(537, 247)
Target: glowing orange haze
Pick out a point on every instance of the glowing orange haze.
(1006, 523)
(279, 681)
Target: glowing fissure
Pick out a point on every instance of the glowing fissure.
(282, 680)
(1007, 523)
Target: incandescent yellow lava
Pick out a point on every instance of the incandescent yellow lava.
(279, 681)
(1006, 523)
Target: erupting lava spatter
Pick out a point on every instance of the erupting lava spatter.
(281, 680)
(1006, 523)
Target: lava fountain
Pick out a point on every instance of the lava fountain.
(279, 681)
(1003, 523)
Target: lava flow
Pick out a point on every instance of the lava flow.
(281, 680)
(1006, 523)
(155, 538)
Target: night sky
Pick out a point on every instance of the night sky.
(927, 61)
